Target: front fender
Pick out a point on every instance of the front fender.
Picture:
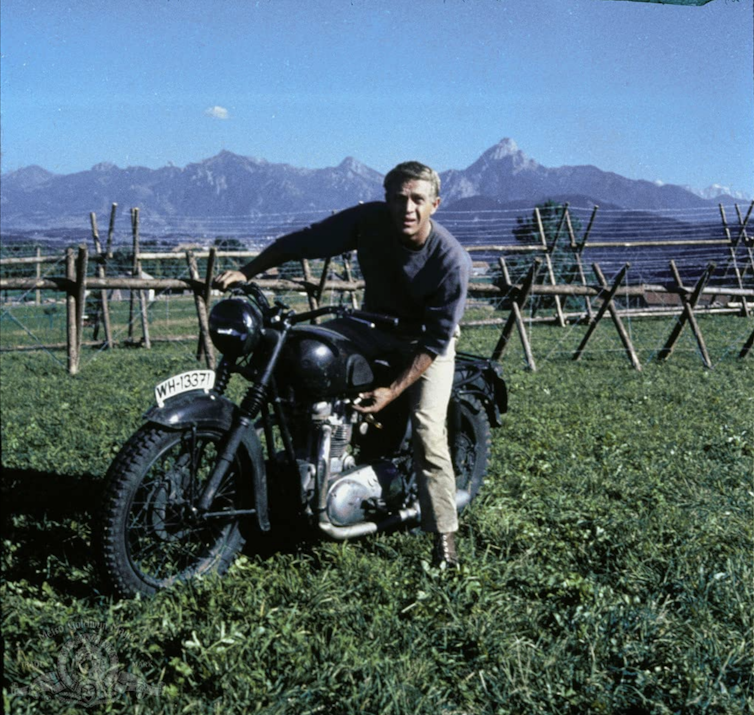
(195, 407)
(214, 411)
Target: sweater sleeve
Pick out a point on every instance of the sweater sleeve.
(444, 309)
(330, 237)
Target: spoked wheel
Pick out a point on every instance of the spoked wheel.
(469, 435)
(150, 533)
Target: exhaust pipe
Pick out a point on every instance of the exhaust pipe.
(404, 516)
(354, 531)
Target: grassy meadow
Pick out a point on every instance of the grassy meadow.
(606, 567)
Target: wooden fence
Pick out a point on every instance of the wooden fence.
(76, 283)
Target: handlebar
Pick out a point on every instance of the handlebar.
(252, 290)
(373, 319)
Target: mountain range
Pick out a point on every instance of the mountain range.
(239, 186)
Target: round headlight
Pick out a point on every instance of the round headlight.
(235, 326)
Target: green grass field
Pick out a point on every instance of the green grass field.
(607, 566)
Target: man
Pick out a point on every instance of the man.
(416, 270)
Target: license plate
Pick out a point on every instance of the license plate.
(186, 381)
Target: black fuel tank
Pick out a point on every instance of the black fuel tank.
(320, 364)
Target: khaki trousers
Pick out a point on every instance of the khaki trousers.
(429, 396)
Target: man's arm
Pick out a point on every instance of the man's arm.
(269, 258)
(329, 237)
(377, 399)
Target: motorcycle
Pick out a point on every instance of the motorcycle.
(203, 474)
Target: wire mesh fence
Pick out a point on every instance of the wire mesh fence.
(660, 257)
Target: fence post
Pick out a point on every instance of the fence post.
(211, 260)
(589, 227)
(689, 303)
(134, 273)
(82, 264)
(743, 236)
(322, 281)
(207, 295)
(308, 279)
(550, 271)
(349, 278)
(143, 309)
(111, 231)
(101, 273)
(746, 349)
(732, 249)
(70, 304)
(201, 312)
(38, 293)
(578, 249)
(607, 304)
(516, 317)
(622, 332)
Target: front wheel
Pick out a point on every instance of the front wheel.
(469, 440)
(149, 533)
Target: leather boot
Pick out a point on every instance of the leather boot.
(444, 551)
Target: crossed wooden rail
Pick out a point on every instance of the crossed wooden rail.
(76, 283)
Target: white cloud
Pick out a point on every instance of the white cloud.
(217, 112)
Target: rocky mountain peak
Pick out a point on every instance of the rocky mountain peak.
(505, 153)
(351, 164)
(505, 147)
(30, 176)
(716, 190)
(103, 167)
(228, 158)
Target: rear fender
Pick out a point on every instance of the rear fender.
(213, 411)
(483, 379)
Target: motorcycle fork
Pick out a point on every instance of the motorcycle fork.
(250, 407)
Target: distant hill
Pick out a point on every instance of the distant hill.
(229, 185)
(224, 185)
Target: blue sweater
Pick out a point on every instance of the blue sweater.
(427, 286)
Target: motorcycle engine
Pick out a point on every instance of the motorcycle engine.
(354, 493)
(364, 492)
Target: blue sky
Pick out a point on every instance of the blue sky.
(650, 91)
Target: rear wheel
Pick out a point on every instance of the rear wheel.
(469, 438)
(149, 533)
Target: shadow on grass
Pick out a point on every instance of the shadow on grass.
(47, 520)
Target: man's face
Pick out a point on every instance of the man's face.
(410, 205)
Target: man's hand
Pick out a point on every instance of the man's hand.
(374, 401)
(226, 279)
(381, 397)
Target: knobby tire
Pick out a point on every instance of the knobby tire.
(146, 539)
